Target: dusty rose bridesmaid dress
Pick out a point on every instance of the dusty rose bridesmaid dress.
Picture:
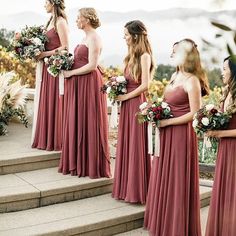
(132, 164)
(48, 132)
(222, 212)
(173, 205)
(85, 150)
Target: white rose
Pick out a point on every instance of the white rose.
(108, 90)
(46, 60)
(195, 123)
(37, 41)
(164, 105)
(120, 79)
(209, 107)
(205, 121)
(143, 106)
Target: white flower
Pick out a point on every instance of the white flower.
(205, 121)
(209, 107)
(164, 105)
(108, 90)
(159, 99)
(124, 90)
(143, 106)
(46, 60)
(195, 123)
(37, 41)
(120, 79)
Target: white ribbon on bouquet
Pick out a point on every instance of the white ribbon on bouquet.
(206, 144)
(114, 115)
(38, 81)
(61, 84)
(150, 140)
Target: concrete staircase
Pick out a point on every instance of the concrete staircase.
(30, 186)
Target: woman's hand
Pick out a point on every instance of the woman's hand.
(122, 97)
(67, 73)
(214, 133)
(163, 123)
(41, 56)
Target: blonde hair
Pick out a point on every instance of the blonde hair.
(59, 11)
(90, 14)
(139, 45)
(192, 64)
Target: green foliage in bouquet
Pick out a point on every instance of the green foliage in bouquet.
(61, 60)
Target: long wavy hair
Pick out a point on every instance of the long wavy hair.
(139, 45)
(231, 86)
(59, 11)
(192, 64)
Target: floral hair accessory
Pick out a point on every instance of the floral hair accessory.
(57, 2)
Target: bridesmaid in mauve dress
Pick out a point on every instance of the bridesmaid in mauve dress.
(173, 205)
(132, 166)
(47, 129)
(222, 212)
(85, 150)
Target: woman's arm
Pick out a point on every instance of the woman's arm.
(222, 133)
(145, 77)
(194, 94)
(94, 47)
(62, 30)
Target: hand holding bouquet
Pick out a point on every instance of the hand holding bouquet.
(29, 43)
(152, 113)
(115, 86)
(210, 118)
(61, 60)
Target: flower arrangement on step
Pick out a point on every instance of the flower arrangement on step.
(29, 43)
(61, 60)
(12, 100)
(114, 87)
(210, 118)
(153, 112)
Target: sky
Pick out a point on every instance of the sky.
(15, 6)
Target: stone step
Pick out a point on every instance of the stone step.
(16, 154)
(142, 231)
(44, 187)
(101, 215)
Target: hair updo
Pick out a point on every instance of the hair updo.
(90, 14)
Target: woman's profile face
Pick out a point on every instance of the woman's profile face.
(48, 6)
(81, 21)
(174, 49)
(127, 37)
(226, 72)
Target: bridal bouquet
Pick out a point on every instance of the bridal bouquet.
(210, 118)
(61, 60)
(115, 86)
(29, 43)
(152, 113)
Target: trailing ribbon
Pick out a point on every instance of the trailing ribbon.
(38, 80)
(114, 115)
(157, 142)
(61, 84)
(150, 141)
